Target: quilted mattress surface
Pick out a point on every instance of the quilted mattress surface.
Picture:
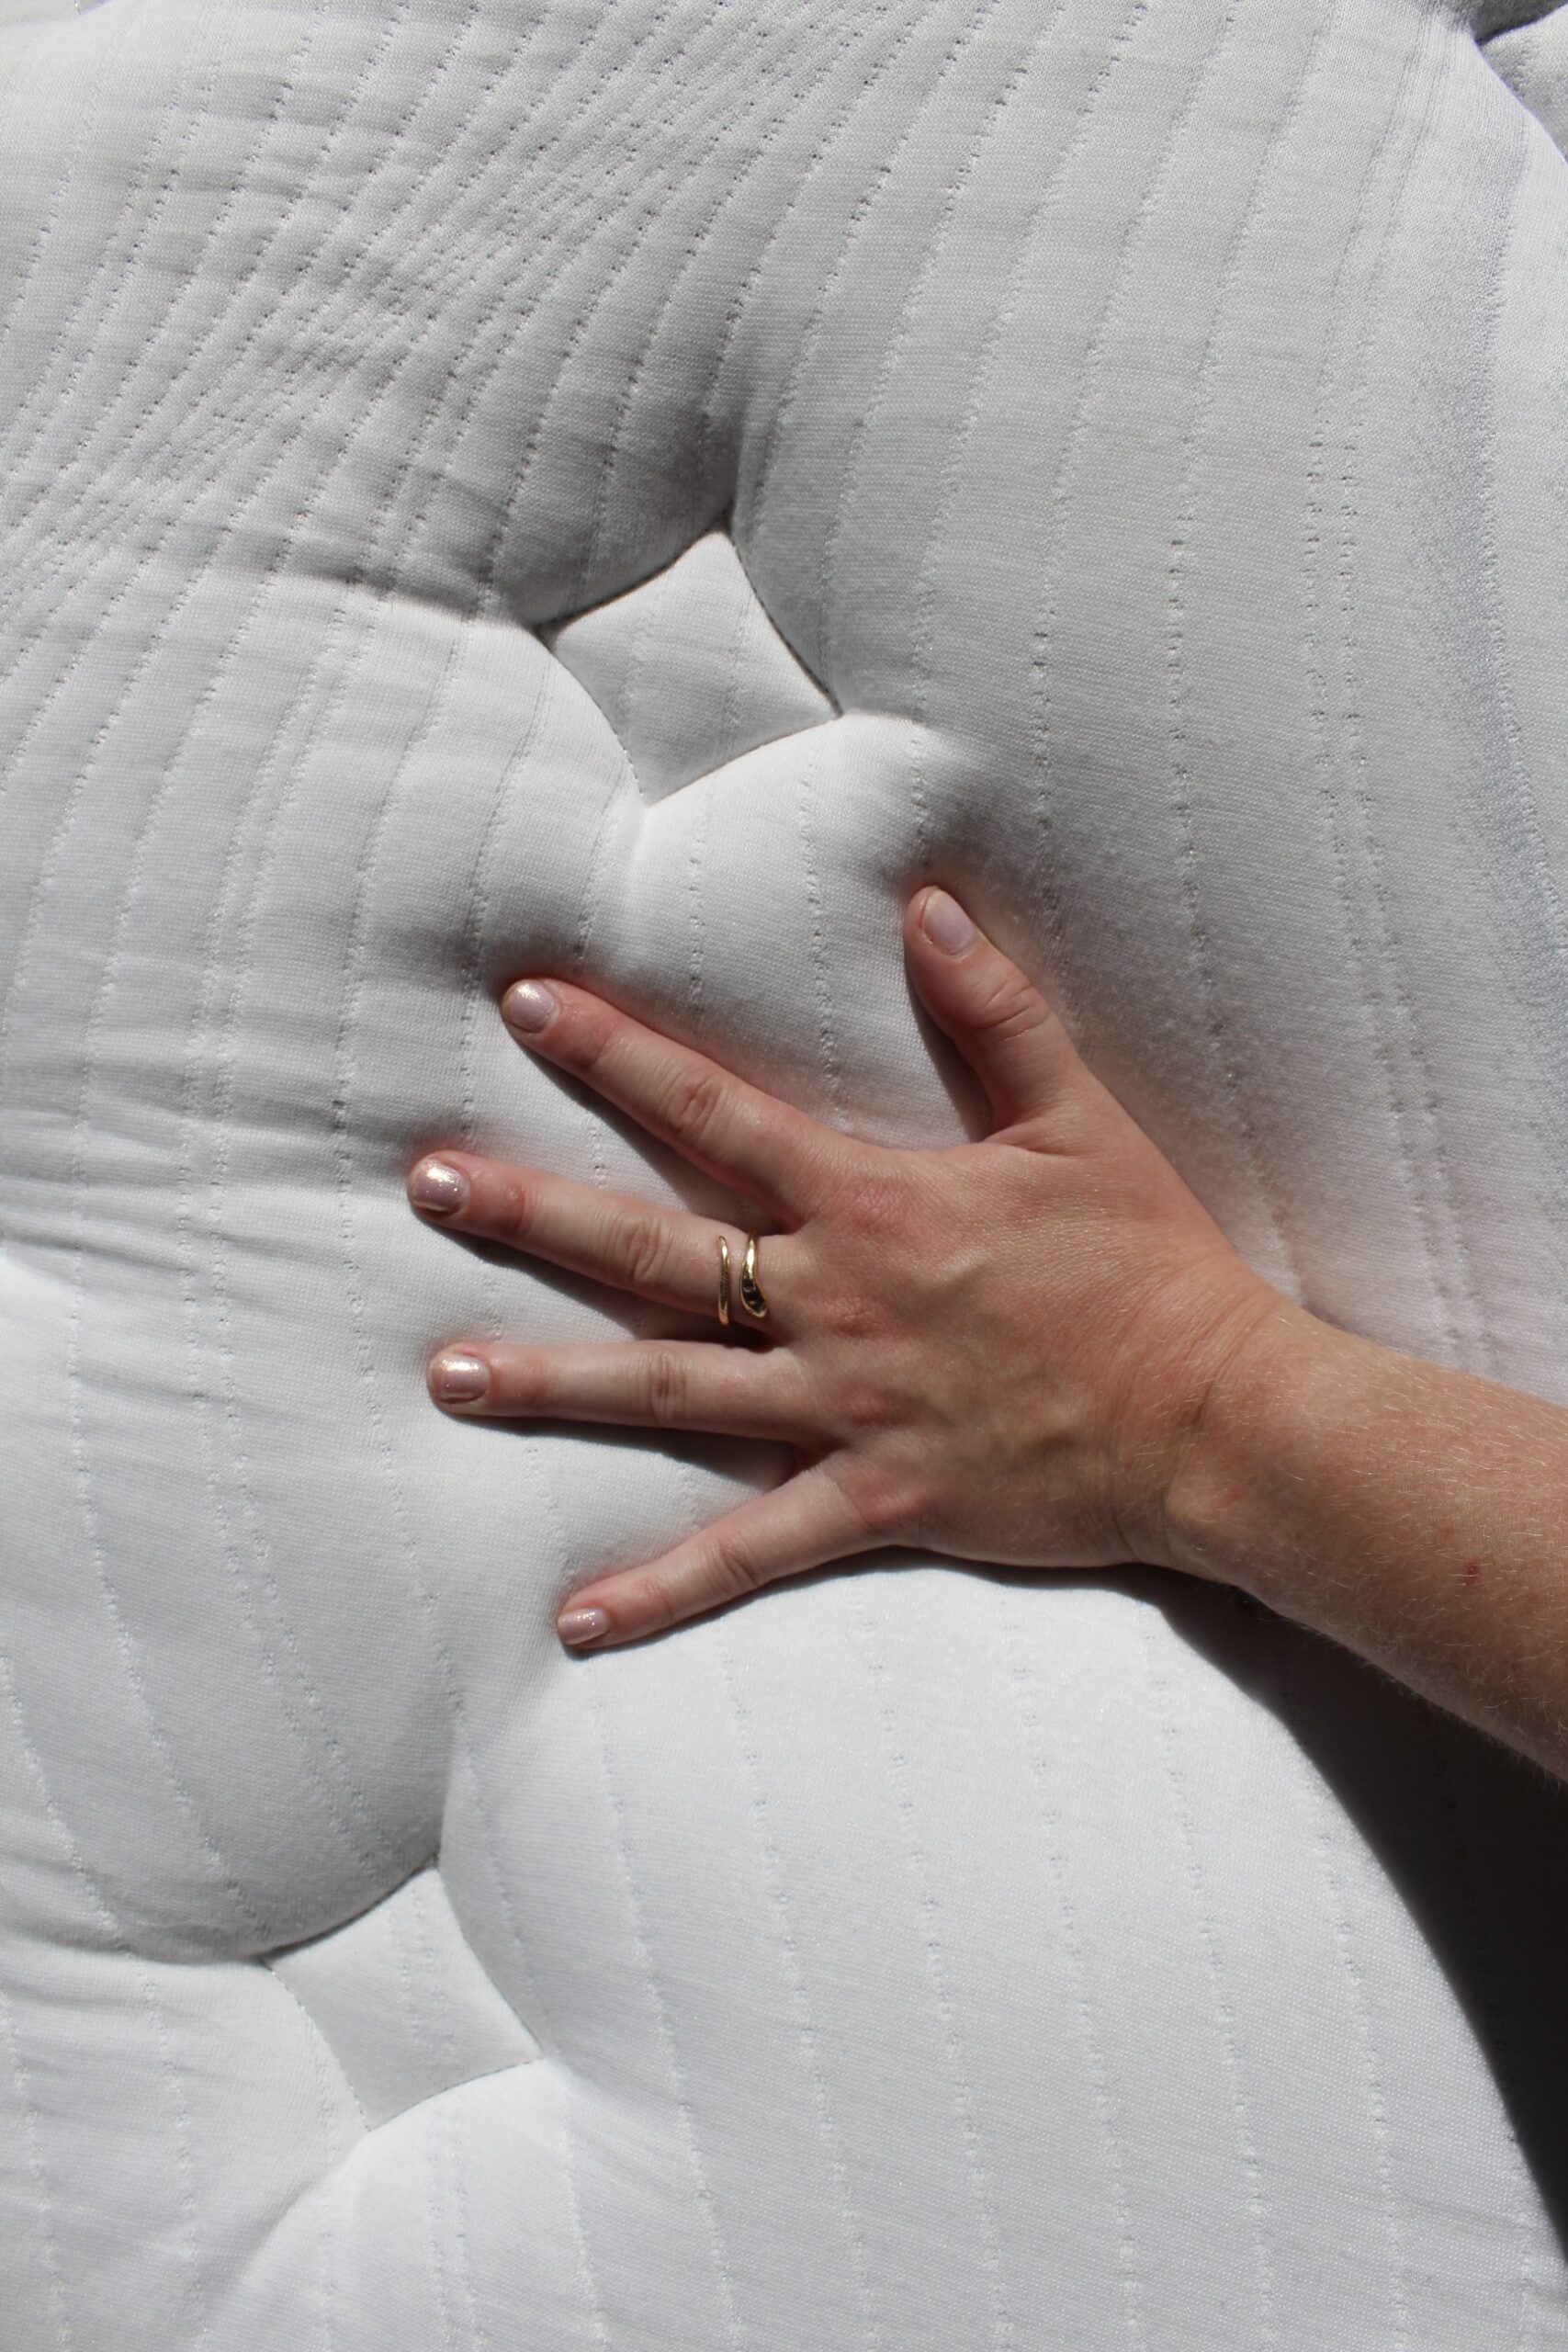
(632, 487)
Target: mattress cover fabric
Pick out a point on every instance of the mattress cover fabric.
(631, 488)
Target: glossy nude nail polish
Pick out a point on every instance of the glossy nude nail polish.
(438, 1189)
(529, 1004)
(458, 1379)
(580, 1626)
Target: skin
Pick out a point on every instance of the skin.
(1038, 1349)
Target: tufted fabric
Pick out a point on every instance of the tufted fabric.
(630, 487)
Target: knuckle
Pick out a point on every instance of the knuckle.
(869, 1406)
(665, 1388)
(640, 1251)
(882, 1502)
(514, 1214)
(1008, 1006)
(694, 1102)
(876, 1204)
(850, 1317)
(651, 1603)
(582, 1036)
(528, 1384)
(731, 1566)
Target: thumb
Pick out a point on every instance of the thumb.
(993, 1013)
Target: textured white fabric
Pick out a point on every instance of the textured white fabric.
(1111, 453)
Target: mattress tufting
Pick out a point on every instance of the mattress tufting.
(631, 488)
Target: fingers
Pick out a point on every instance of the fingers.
(667, 1255)
(995, 1015)
(748, 1139)
(803, 1524)
(651, 1383)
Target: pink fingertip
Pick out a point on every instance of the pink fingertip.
(438, 1188)
(945, 923)
(529, 1005)
(580, 1626)
(458, 1379)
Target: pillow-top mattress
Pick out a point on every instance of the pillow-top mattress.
(632, 489)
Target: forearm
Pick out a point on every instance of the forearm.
(1418, 1515)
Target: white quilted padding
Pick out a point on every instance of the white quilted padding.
(688, 670)
(630, 487)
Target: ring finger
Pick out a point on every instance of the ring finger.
(667, 1255)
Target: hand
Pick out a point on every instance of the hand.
(1000, 1352)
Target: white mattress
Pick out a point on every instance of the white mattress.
(632, 488)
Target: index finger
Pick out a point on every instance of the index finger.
(749, 1140)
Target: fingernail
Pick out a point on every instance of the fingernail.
(529, 1004)
(438, 1188)
(945, 923)
(458, 1379)
(579, 1625)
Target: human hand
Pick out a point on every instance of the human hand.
(998, 1351)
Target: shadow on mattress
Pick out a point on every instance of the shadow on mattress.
(1473, 1839)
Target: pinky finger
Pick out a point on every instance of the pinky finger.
(803, 1524)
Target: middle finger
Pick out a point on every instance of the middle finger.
(667, 1255)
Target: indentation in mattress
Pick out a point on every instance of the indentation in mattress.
(688, 668)
(403, 2002)
(1532, 59)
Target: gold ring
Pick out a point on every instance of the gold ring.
(750, 1289)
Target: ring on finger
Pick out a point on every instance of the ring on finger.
(751, 1291)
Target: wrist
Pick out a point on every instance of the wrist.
(1248, 1396)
